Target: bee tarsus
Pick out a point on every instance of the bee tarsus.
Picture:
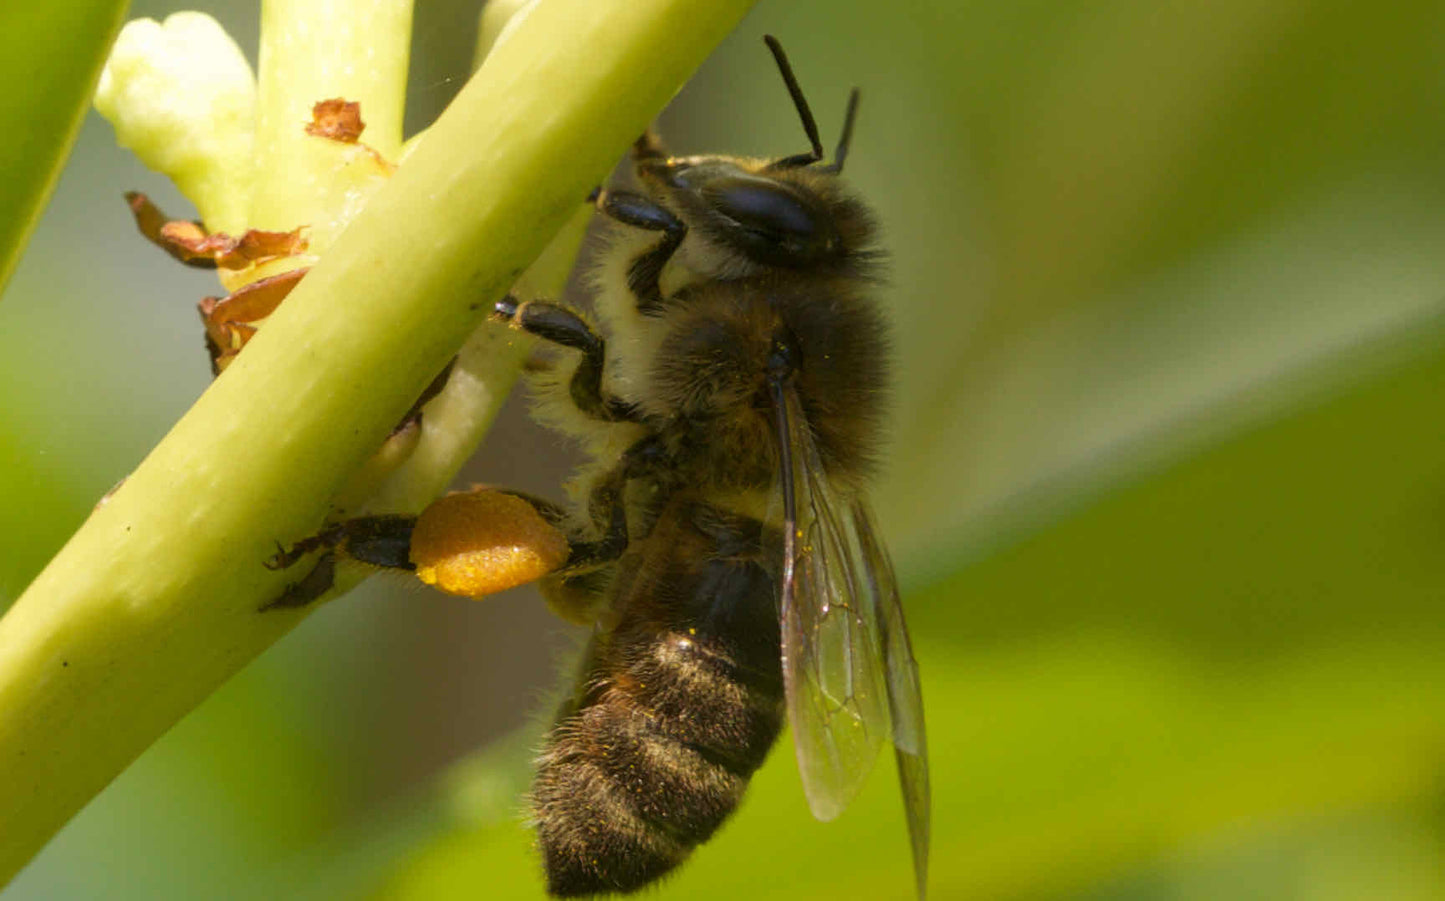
(308, 588)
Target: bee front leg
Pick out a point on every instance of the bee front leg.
(641, 211)
(555, 323)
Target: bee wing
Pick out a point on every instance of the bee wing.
(848, 666)
(833, 669)
(905, 696)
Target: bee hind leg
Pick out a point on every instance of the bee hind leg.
(576, 591)
(383, 541)
(308, 588)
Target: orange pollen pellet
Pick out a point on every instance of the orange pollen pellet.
(480, 542)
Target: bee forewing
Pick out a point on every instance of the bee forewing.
(835, 664)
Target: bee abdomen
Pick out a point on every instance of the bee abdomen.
(651, 765)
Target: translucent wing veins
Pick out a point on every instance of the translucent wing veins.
(848, 667)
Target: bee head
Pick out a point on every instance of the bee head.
(791, 212)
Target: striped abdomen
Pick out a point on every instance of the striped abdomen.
(677, 705)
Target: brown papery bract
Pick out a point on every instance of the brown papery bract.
(191, 244)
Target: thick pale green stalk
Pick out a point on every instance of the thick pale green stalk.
(485, 371)
(154, 602)
(314, 50)
(50, 56)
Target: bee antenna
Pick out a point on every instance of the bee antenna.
(801, 104)
(846, 140)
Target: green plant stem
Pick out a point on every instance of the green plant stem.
(486, 369)
(155, 601)
(314, 50)
(50, 57)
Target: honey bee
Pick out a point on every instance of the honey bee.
(725, 552)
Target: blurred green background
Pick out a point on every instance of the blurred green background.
(1167, 487)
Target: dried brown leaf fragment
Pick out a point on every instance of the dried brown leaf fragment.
(337, 119)
(190, 243)
(231, 320)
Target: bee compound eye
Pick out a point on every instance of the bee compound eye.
(764, 208)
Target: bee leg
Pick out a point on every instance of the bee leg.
(640, 211)
(575, 594)
(555, 323)
(383, 541)
(648, 147)
(413, 416)
(552, 512)
(608, 509)
(309, 587)
(578, 599)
